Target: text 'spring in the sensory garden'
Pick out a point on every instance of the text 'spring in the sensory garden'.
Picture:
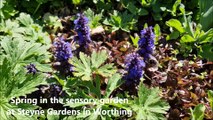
(71, 102)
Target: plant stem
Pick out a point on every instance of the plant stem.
(37, 8)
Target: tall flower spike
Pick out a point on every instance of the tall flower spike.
(31, 68)
(83, 30)
(146, 43)
(134, 65)
(62, 50)
(62, 53)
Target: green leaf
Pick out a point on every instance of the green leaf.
(206, 52)
(187, 39)
(206, 37)
(86, 66)
(123, 21)
(175, 24)
(157, 32)
(198, 112)
(20, 52)
(210, 98)
(149, 105)
(82, 68)
(25, 19)
(142, 12)
(76, 2)
(135, 40)
(112, 84)
(52, 21)
(206, 13)
(106, 70)
(134, 10)
(157, 16)
(94, 19)
(95, 58)
(174, 7)
(52, 117)
(16, 84)
(174, 35)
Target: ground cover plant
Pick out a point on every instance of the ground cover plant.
(106, 59)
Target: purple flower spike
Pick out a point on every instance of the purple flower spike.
(62, 53)
(31, 68)
(134, 65)
(62, 50)
(146, 43)
(82, 29)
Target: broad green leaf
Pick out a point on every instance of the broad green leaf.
(198, 112)
(187, 39)
(210, 98)
(206, 12)
(175, 24)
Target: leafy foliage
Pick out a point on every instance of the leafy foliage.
(194, 37)
(23, 28)
(94, 19)
(149, 105)
(198, 112)
(16, 84)
(92, 91)
(123, 21)
(86, 66)
(20, 53)
(210, 98)
(206, 13)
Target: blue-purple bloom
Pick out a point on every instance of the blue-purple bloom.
(62, 53)
(31, 68)
(55, 90)
(82, 29)
(62, 50)
(146, 43)
(134, 65)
